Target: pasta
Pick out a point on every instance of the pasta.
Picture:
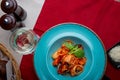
(69, 58)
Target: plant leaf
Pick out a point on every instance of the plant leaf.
(69, 45)
(77, 52)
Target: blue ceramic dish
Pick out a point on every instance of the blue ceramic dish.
(52, 39)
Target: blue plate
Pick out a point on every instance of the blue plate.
(52, 39)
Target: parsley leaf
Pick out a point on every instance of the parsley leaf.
(77, 52)
(74, 49)
(68, 45)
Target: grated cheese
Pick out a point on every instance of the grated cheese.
(115, 53)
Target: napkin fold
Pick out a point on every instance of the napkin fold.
(102, 16)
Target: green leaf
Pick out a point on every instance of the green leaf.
(77, 52)
(69, 45)
(74, 49)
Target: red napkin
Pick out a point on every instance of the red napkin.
(102, 16)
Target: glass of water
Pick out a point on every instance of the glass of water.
(23, 41)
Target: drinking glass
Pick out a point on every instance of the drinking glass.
(23, 41)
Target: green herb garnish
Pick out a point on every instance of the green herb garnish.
(74, 49)
(69, 45)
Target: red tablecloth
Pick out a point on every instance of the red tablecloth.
(102, 16)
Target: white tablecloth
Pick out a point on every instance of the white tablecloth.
(33, 8)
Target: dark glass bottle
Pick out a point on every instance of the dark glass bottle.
(11, 6)
(8, 22)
